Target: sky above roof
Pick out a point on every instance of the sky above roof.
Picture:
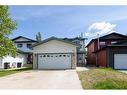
(68, 21)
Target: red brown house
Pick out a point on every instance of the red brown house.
(108, 51)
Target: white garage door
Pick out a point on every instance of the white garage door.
(120, 61)
(54, 61)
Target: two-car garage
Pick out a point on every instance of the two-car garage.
(54, 53)
(54, 61)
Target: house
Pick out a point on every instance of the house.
(24, 56)
(108, 51)
(51, 53)
(55, 53)
(81, 53)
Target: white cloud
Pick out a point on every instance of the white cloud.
(100, 28)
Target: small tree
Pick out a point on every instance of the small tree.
(7, 25)
(38, 37)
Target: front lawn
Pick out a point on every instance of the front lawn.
(103, 78)
(6, 72)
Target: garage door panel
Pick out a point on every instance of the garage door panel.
(54, 61)
(120, 61)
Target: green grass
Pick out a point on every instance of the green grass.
(12, 71)
(103, 78)
(111, 84)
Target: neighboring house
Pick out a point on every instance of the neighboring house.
(24, 56)
(108, 51)
(81, 53)
(55, 53)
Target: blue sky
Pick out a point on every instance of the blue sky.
(67, 21)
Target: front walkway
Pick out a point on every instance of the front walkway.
(40, 79)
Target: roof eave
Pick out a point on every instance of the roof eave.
(54, 38)
(23, 37)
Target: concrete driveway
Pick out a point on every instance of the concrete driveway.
(39, 79)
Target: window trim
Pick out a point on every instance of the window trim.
(113, 42)
(28, 44)
(19, 45)
(102, 43)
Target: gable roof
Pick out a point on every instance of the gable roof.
(54, 38)
(108, 36)
(31, 40)
(76, 38)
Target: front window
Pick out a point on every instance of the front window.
(29, 45)
(102, 43)
(19, 45)
(113, 42)
(76, 41)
